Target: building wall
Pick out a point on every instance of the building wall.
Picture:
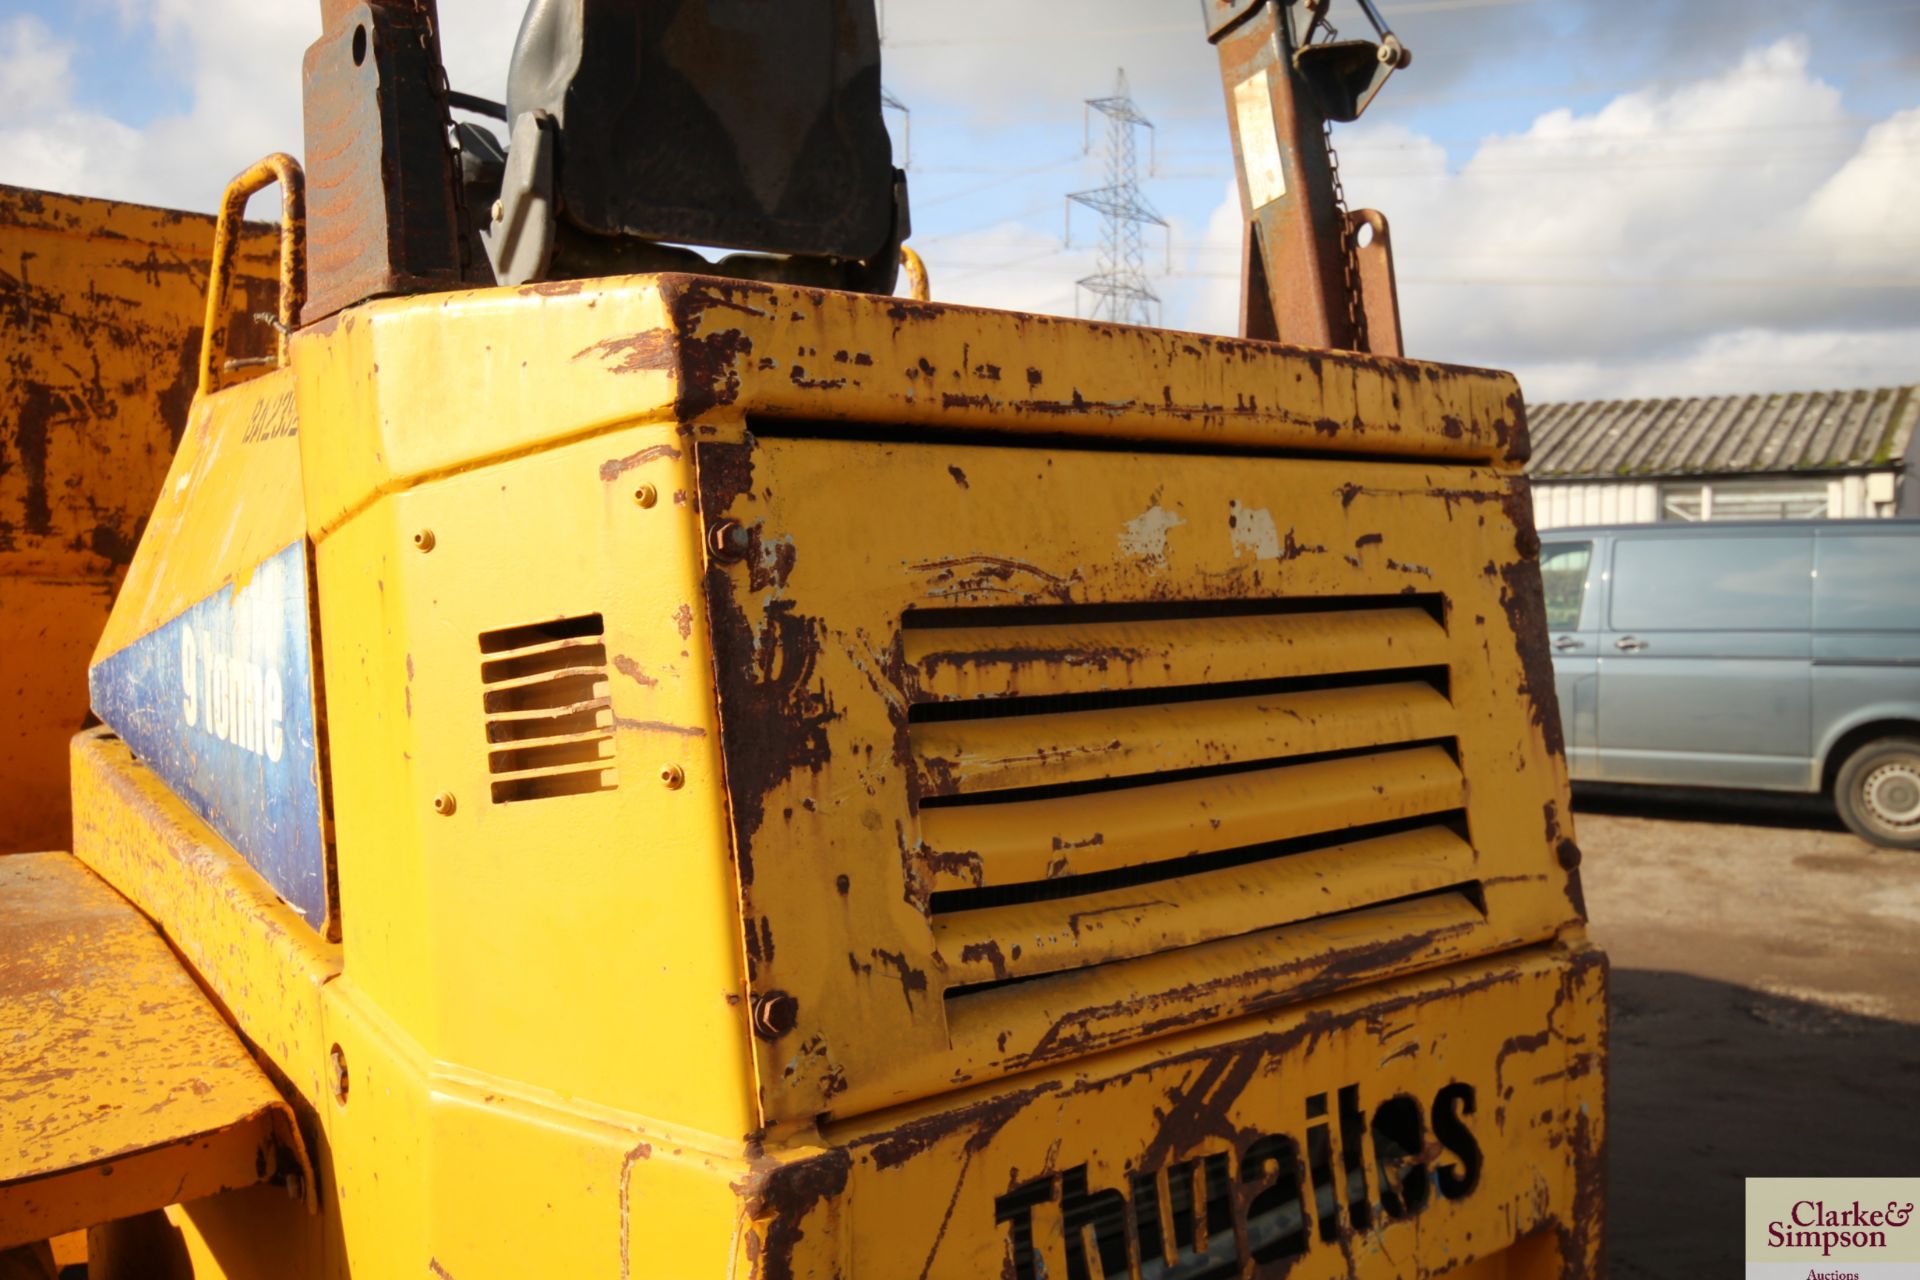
(1558, 503)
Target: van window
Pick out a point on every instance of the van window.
(1867, 582)
(1563, 572)
(1712, 584)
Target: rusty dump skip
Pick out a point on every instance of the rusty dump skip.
(100, 319)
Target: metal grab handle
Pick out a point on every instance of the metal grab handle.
(1564, 643)
(285, 170)
(917, 287)
(1629, 644)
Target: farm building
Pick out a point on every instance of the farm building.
(1786, 455)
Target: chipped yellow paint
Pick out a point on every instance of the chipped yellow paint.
(231, 499)
(791, 792)
(122, 1089)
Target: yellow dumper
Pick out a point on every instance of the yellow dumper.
(666, 774)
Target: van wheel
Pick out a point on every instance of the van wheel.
(1878, 793)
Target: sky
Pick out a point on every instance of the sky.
(1612, 198)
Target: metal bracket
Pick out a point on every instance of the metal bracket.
(519, 235)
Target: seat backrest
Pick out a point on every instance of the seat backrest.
(740, 124)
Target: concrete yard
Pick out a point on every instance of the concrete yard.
(1766, 1011)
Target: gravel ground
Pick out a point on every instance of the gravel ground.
(1766, 1011)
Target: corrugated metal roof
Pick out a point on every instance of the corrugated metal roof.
(1718, 435)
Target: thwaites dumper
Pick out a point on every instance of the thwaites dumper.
(663, 774)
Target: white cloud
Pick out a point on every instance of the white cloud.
(240, 60)
(1729, 233)
(1010, 265)
(1739, 230)
(1869, 209)
(34, 68)
(45, 141)
(1214, 261)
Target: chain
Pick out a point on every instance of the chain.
(430, 42)
(1356, 318)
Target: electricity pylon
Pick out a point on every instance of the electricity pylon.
(1119, 285)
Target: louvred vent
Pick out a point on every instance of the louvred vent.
(548, 709)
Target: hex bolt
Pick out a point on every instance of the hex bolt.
(499, 210)
(337, 1067)
(646, 495)
(673, 777)
(728, 541)
(774, 1014)
(444, 804)
(424, 540)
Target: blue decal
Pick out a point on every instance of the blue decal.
(219, 704)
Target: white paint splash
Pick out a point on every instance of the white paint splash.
(1145, 536)
(1252, 529)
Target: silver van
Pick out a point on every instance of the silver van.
(1782, 655)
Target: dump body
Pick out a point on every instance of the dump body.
(811, 784)
(103, 305)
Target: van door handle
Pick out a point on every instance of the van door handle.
(1563, 643)
(1629, 644)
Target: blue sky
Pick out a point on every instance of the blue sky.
(1657, 197)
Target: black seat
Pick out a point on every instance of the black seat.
(740, 124)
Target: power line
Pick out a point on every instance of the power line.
(888, 102)
(1118, 284)
(1890, 283)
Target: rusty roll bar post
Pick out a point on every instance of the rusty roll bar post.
(285, 170)
(1303, 279)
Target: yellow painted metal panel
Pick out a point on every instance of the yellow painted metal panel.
(966, 756)
(521, 369)
(1003, 662)
(103, 303)
(47, 624)
(256, 954)
(990, 944)
(1023, 840)
(841, 782)
(465, 926)
(231, 499)
(1502, 1065)
(539, 1179)
(122, 1089)
(1024, 1024)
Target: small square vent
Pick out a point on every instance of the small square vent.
(549, 709)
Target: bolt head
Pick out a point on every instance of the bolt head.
(728, 540)
(646, 495)
(444, 804)
(424, 540)
(774, 1014)
(672, 777)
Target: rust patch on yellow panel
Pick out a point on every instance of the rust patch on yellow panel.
(122, 1089)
